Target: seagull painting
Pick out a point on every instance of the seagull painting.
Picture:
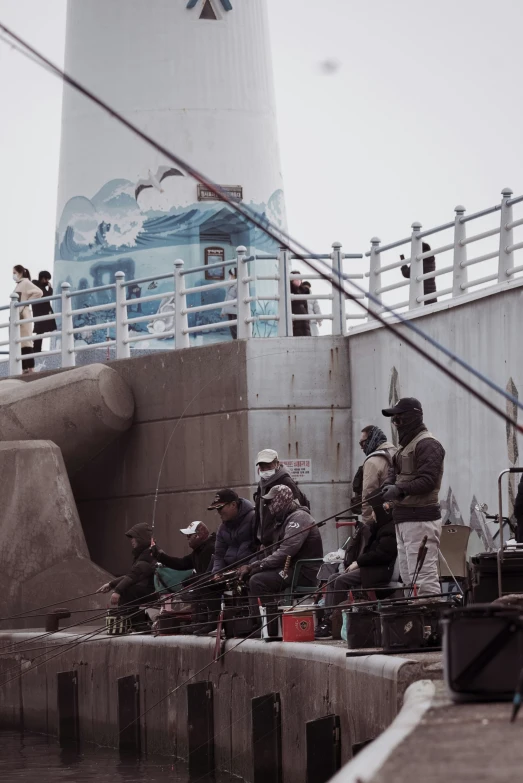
(155, 180)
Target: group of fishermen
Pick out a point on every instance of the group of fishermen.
(263, 540)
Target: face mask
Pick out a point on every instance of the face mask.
(16, 278)
(267, 474)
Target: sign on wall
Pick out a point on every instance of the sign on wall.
(299, 469)
(234, 192)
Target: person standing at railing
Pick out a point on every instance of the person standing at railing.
(299, 307)
(231, 310)
(43, 308)
(429, 265)
(26, 291)
(313, 308)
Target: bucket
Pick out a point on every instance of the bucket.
(298, 626)
(360, 628)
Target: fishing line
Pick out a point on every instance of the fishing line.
(282, 238)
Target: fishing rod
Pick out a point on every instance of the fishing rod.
(285, 241)
(49, 606)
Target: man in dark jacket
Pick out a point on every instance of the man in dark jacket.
(299, 307)
(412, 486)
(271, 473)
(43, 308)
(369, 568)
(295, 537)
(202, 543)
(138, 584)
(429, 265)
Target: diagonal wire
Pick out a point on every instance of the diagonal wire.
(282, 238)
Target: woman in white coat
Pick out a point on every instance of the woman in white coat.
(26, 291)
(230, 311)
(314, 309)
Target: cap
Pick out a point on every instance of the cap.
(193, 527)
(267, 456)
(272, 492)
(405, 405)
(223, 497)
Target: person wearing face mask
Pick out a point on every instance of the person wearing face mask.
(378, 459)
(295, 535)
(412, 486)
(271, 472)
(26, 292)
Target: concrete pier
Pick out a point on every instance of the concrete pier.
(313, 680)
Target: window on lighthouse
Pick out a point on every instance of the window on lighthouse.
(208, 11)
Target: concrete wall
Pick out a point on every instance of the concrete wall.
(209, 410)
(485, 331)
(313, 680)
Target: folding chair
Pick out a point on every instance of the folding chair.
(452, 556)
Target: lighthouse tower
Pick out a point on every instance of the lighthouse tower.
(196, 75)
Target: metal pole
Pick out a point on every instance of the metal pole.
(500, 519)
(123, 349)
(339, 321)
(505, 237)
(243, 309)
(282, 293)
(459, 274)
(288, 303)
(181, 324)
(15, 349)
(68, 355)
(416, 267)
(374, 274)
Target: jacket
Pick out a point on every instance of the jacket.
(27, 292)
(236, 539)
(423, 481)
(199, 559)
(231, 295)
(142, 571)
(264, 518)
(43, 308)
(377, 560)
(298, 538)
(429, 286)
(299, 307)
(375, 471)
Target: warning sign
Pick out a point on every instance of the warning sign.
(300, 469)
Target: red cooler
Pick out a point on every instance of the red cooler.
(298, 626)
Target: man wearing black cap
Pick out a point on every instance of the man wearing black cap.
(413, 486)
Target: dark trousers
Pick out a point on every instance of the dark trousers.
(267, 583)
(27, 364)
(338, 587)
(133, 595)
(233, 329)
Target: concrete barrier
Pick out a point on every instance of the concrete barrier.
(44, 554)
(313, 680)
(81, 411)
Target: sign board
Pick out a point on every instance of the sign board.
(299, 469)
(234, 192)
(213, 255)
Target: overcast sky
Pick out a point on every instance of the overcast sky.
(388, 112)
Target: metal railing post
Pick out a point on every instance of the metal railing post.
(416, 267)
(123, 349)
(283, 285)
(181, 323)
(505, 237)
(459, 273)
(374, 275)
(243, 307)
(68, 356)
(339, 321)
(15, 349)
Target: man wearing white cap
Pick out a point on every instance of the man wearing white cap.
(202, 543)
(272, 473)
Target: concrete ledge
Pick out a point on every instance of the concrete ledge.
(313, 680)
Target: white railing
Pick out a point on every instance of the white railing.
(491, 265)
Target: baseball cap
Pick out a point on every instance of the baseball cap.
(405, 405)
(272, 492)
(223, 497)
(193, 527)
(266, 455)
